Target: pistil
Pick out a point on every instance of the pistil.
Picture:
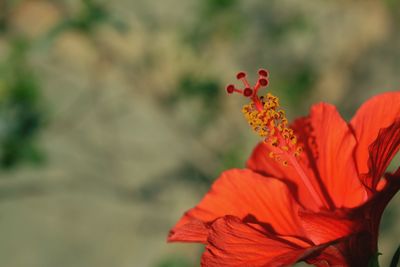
(269, 121)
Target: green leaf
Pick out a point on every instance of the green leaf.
(396, 258)
(373, 262)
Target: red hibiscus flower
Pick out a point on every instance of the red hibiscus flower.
(313, 192)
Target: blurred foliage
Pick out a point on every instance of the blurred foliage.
(21, 107)
(175, 262)
(394, 8)
(280, 27)
(216, 19)
(297, 85)
(233, 157)
(392, 3)
(187, 174)
(215, 6)
(21, 111)
(191, 174)
(89, 16)
(4, 12)
(206, 90)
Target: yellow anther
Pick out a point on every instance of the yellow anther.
(293, 139)
(274, 141)
(270, 122)
(298, 151)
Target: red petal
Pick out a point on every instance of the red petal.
(381, 152)
(327, 227)
(249, 196)
(335, 146)
(329, 257)
(192, 231)
(260, 162)
(378, 112)
(233, 243)
(327, 160)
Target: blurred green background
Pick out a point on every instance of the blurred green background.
(114, 119)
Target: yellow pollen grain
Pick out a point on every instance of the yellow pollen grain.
(271, 124)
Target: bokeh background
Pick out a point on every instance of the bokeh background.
(114, 119)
